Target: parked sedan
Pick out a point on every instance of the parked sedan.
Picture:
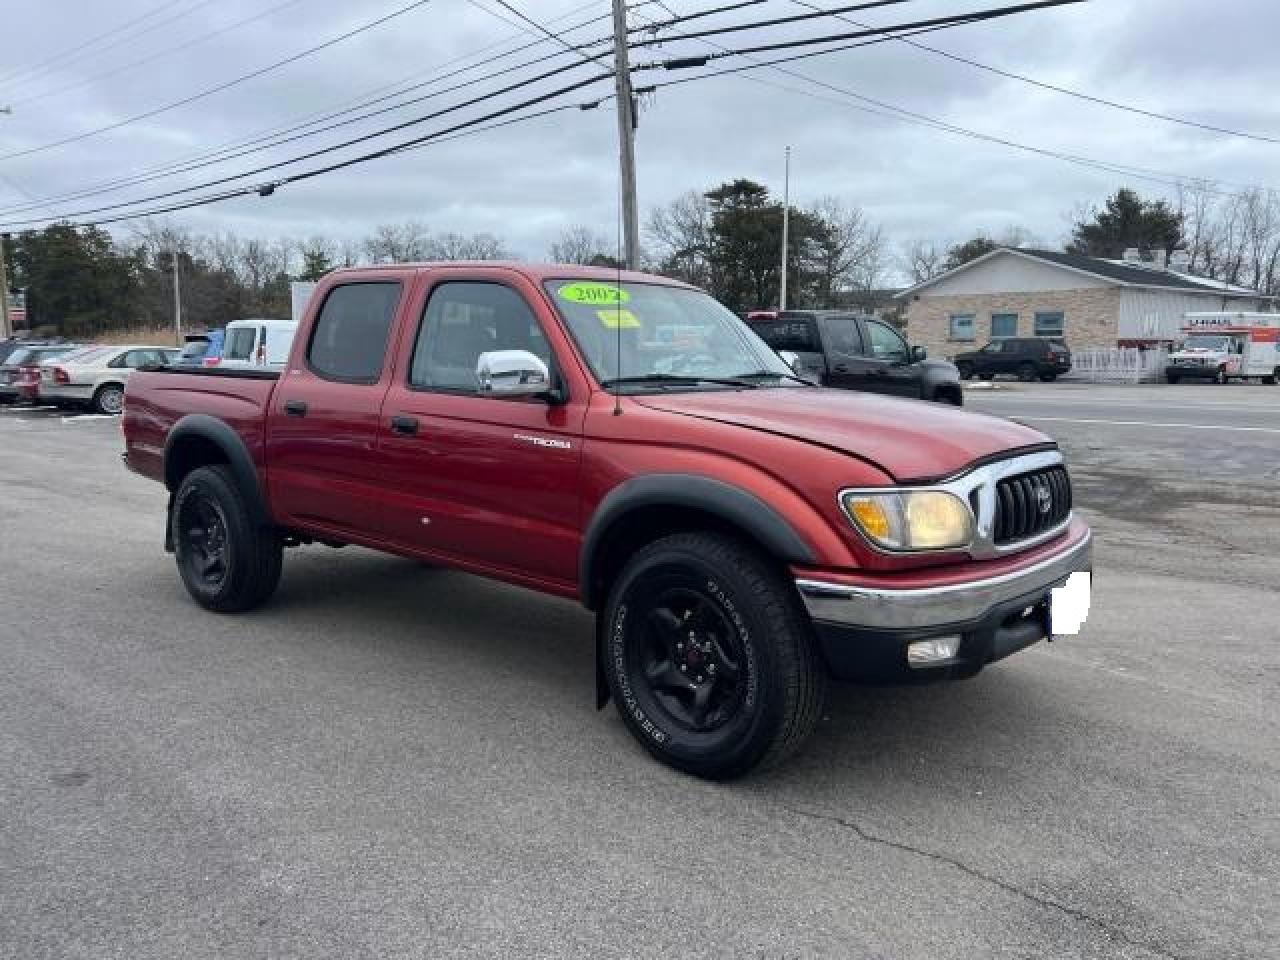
(20, 371)
(95, 376)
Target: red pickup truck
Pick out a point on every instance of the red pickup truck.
(623, 440)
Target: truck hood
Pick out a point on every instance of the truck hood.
(911, 440)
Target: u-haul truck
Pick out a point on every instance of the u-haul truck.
(1227, 346)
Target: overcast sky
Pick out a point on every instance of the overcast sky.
(1214, 62)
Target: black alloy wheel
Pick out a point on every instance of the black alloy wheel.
(204, 535)
(228, 560)
(691, 656)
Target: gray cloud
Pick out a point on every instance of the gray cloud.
(1210, 61)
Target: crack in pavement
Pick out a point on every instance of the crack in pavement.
(1111, 932)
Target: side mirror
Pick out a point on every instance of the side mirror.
(512, 373)
(918, 354)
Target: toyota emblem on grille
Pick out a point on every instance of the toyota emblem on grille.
(1044, 498)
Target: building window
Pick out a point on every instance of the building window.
(1050, 324)
(961, 326)
(1004, 325)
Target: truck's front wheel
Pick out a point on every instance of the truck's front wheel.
(709, 658)
(228, 563)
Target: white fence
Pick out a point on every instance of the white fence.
(1117, 365)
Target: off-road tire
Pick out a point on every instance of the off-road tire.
(250, 570)
(780, 684)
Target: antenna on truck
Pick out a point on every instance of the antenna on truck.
(617, 314)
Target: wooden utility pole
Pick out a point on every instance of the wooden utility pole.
(177, 298)
(6, 328)
(786, 224)
(626, 137)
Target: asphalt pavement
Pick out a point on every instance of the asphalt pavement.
(396, 761)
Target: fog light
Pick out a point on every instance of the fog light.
(927, 653)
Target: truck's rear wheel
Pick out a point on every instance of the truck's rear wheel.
(709, 658)
(1273, 379)
(227, 562)
(1027, 372)
(1220, 376)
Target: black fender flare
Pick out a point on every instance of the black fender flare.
(732, 504)
(232, 445)
(737, 507)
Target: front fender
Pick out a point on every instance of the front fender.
(734, 505)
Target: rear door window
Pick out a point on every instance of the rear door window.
(842, 335)
(349, 340)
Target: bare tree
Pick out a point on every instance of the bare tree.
(850, 253)
(579, 244)
(680, 232)
(457, 246)
(923, 260)
(398, 242)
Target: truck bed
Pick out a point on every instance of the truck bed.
(157, 398)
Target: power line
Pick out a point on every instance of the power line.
(365, 99)
(512, 9)
(61, 60)
(900, 113)
(341, 146)
(449, 133)
(1080, 95)
(159, 55)
(976, 16)
(222, 86)
(277, 138)
(267, 188)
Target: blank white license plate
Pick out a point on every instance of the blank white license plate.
(1069, 605)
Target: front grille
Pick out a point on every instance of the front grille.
(1031, 503)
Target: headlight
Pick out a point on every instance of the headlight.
(911, 520)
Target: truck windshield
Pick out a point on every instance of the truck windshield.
(1206, 343)
(642, 336)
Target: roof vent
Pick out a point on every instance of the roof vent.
(1132, 255)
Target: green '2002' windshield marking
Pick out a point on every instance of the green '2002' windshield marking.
(591, 292)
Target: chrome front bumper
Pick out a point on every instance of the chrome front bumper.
(880, 608)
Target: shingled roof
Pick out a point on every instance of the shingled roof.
(1129, 274)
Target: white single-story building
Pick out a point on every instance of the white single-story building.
(1087, 301)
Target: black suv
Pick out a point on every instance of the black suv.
(1025, 357)
(857, 352)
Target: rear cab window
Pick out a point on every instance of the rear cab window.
(797, 334)
(842, 335)
(349, 339)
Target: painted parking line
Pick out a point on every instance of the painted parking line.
(1150, 423)
(85, 417)
(1103, 402)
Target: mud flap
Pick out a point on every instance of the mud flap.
(602, 681)
(168, 526)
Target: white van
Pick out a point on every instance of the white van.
(257, 343)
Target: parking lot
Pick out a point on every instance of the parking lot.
(396, 761)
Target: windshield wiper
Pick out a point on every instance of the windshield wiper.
(777, 375)
(679, 380)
